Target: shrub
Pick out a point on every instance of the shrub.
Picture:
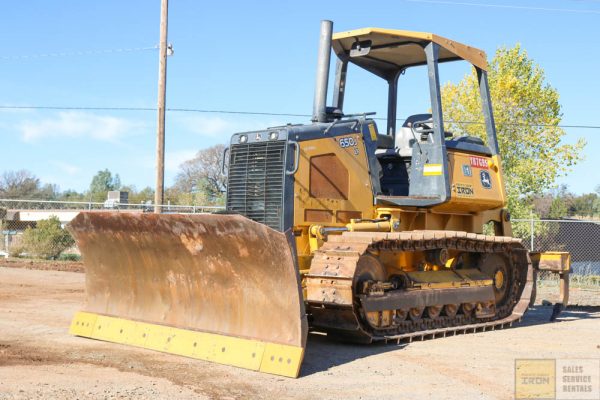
(47, 240)
(69, 257)
(15, 251)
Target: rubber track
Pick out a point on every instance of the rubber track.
(337, 259)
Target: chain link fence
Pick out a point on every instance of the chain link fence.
(581, 238)
(36, 228)
(108, 205)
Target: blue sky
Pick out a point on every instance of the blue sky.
(250, 56)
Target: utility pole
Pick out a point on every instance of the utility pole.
(162, 90)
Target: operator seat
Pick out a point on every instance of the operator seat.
(395, 157)
(402, 144)
(395, 154)
(405, 138)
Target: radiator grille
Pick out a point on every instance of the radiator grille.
(255, 182)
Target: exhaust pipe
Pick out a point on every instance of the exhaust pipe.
(320, 101)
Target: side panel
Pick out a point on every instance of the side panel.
(475, 183)
(332, 184)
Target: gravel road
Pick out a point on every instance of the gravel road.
(38, 359)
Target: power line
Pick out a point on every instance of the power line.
(460, 3)
(272, 114)
(76, 108)
(77, 53)
(527, 124)
(190, 110)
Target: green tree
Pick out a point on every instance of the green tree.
(137, 197)
(527, 114)
(71, 195)
(558, 209)
(553, 204)
(584, 205)
(597, 202)
(47, 240)
(101, 183)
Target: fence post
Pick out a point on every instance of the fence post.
(532, 232)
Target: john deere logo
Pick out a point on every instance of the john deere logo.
(486, 179)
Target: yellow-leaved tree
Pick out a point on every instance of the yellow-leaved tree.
(527, 114)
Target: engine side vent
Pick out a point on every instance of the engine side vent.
(256, 181)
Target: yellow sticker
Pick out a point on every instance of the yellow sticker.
(432, 169)
(535, 379)
(464, 190)
(373, 132)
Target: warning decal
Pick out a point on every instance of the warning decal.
(432, 169)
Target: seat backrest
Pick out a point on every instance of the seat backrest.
(405, 139)
(404, 142)
(385, 142)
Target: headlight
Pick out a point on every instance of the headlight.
(274, 135)
(243, 139)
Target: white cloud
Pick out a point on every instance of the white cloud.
(219, 127)
(75, 124)
(67, 168)
(173, 159)
(210, 126)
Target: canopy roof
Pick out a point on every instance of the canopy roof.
(392, 50)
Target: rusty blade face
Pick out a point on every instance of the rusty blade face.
(223, 274)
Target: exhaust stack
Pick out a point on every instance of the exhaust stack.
(320, 101)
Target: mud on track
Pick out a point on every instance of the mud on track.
(38, 359)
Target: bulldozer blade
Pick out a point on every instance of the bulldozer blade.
(215, 287)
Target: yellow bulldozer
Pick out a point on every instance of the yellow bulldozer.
(339, 226)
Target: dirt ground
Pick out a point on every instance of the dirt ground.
(38, 359)
(69, 266)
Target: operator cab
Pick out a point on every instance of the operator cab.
(395, 154)
(413, 159)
